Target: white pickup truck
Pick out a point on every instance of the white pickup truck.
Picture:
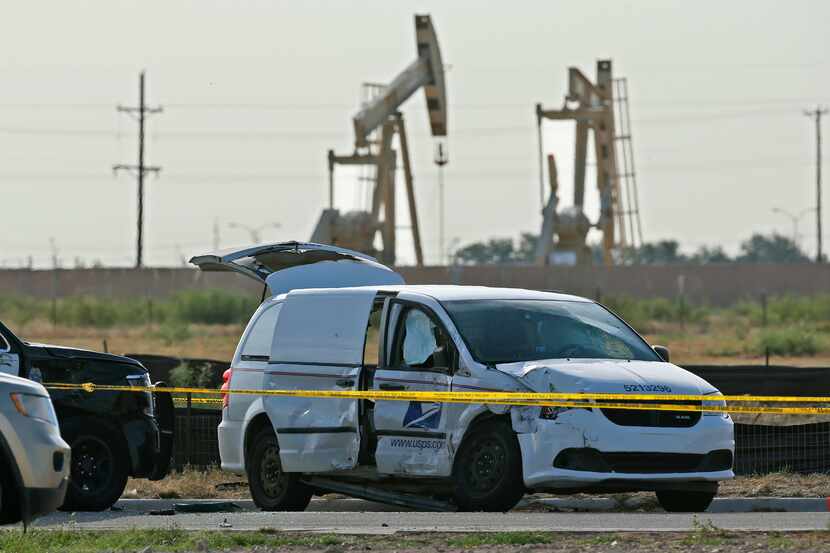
(337, 320)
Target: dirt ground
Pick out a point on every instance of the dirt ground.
(216, 484)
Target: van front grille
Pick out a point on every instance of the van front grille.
(638, 462)
(641, 417)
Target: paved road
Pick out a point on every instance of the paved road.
(355, 516)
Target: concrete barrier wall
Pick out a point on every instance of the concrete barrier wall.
(714, 284)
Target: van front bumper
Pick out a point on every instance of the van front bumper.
(589, 431)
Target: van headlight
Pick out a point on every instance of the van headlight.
(36, 407)
(714, 404)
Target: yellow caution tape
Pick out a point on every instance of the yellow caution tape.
(549, 399)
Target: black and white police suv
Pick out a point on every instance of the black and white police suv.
(338, 320)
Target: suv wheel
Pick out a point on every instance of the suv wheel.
(271, 488)
(488, 469)
(678, 501)
(98, 471)
(9, 508)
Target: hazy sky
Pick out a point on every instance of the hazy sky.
(254, 93)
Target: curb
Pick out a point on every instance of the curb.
(719, 505)
(593, 504)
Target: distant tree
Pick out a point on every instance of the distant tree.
(771, 249)
(526, 252)
(705, 255)
(664, 252)
(495, 251)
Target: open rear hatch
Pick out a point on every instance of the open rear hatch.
(287, 266)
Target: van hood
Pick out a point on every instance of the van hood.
(606, 376)
(287, 266)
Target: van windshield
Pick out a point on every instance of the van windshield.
(509, 331)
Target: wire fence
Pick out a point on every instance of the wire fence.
(196, 443)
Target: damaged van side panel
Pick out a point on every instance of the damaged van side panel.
(318, 345)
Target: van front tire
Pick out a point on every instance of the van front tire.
(678, 501)
(488, 469)
(271, 488)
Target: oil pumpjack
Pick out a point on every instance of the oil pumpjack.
(380, 116)
(599, 107)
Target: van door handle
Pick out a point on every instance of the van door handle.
(345, 383)
(390, 387)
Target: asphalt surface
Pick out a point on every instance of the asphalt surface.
(363, 517)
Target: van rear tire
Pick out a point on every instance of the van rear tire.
(271, 488)
(488, 469)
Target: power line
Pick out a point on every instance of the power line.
(140, 169)
(470, 132)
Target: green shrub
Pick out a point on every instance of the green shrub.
(212, 307)
(786, 309)
(173, 332)
(189, 307)
(788, 341)
(196, 375)
(639, 313)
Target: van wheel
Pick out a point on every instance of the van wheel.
(488, 469)
(271, 488)
(99, 468)
(678, 501)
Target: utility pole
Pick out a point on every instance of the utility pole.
(816, 114)
(140, 169)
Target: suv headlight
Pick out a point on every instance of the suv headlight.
(713, 404)
(146, 398)
(35, 407)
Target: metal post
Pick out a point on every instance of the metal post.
(189, 435)
(441, 159)
(410, 190)
(541, 155)
(140, 243)
(816, 114)
(331, 178)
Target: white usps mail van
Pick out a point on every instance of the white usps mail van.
(338, 320)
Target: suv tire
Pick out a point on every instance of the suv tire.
(9, 501)
(271, 488)
(99, 467)
(488, 469)
(678, 501)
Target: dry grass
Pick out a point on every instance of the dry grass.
(694, 345)
(204, 341)
(779, 484)
(190, 484)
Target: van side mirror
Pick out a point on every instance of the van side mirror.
(663, 352)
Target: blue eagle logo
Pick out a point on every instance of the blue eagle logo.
(417, 416)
